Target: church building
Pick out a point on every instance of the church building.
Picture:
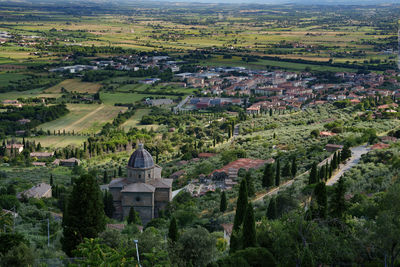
(143, 188)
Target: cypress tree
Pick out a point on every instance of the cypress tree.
(346, 153)
(322, 173)
(173, 230)
(313, 174)
(294, 167)
(268, 177)
(119, 171)
(105, 177)
(84, 214)
(272, 212)
(286, 171)
(338, 204)
(334, 162)
(249, 228)
(235, 243)
(51, 180)
(321, 199)
(330, 171)
(241, 205)
(250, 185)
(132, 216)
(108, 203)
(223, 204)
(327, 171)
(278, 173)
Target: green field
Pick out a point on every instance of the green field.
(135, 121)
(7, 78)
(83, 118)
(56, 141)
(74, 85)
(263, 64)
(127, 98)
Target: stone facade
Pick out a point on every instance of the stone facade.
(143, 188)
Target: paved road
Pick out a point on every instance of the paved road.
(236, 130)
(356, 152)
(175, 192)
(181, 104)
(273, 191)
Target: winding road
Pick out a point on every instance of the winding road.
(356, 153)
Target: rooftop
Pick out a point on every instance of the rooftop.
(141, 159)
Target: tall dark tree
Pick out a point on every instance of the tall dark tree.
(334, 161)
(278, 172)
(105, 177)
(338, 202)
(241, 205)
(108, 203)
(294, 167)
(313, 174)
(250, 184)
(119, 171)
(272, 211)
(173, 230)
(287, 170)
(223, 203)
(51, 180)
(327, 170)
(133, 216)
(322, 173)
(235, 241)
(249, 228)
(321, 200)
(268, 177)
(84, 214)
(346, 153)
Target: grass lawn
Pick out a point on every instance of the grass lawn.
(83, 118)
(75, 85)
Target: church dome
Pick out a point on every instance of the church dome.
(141, 159)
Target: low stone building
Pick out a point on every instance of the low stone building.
(41, 190)
(143, 189)
(14, 149)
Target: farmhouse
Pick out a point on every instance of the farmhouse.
(159, 102)
(150, 81)
(143, 189)
(326, 134)
(41, 190)
(14, 103)
(74, 69)
(333, 147)
(71, 162)
(232, 169)
(41, 155)
(12, 149)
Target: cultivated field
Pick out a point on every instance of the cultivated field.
(74, 85)
(59, 141)
(83, 118)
